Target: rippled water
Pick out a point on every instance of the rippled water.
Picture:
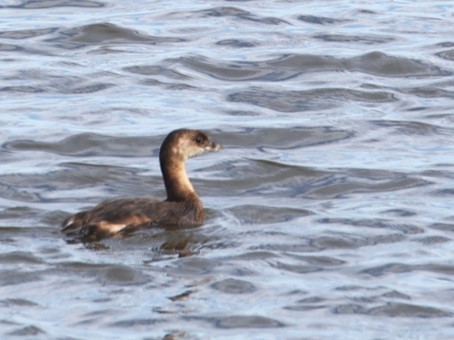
(329, 209)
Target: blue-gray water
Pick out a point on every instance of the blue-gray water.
(330, 208)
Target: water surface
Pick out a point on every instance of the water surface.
(329, 208)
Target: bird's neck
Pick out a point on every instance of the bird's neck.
(177, 183)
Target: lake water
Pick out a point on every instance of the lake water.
(330, 208)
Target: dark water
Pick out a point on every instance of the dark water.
(329, 209)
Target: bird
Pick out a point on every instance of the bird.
(181, 208)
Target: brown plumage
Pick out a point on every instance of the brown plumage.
(181, 208)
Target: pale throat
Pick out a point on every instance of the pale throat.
(177, 182)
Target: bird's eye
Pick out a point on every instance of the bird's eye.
(199, 139)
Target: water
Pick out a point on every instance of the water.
(329, 209)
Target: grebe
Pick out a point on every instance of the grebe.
(181, 208)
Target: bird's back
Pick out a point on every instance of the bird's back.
(113, 216)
